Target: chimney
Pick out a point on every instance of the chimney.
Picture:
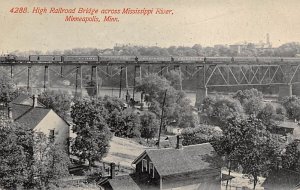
(178, 142)
(112, 170)
(9, 113)
(34, 101)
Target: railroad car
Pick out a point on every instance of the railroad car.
(218, 59)
(22, 59)
(245, 59)
(188, 59)
(45, 58)
(291, 59)
(80, 58)
(269, 59)
(8, 58)
(153, 59)
(117, 58)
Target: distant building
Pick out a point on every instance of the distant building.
(174, 129)
(188, 167)
(32, 114)
(260, 47)
(238, 48)
(286, 132)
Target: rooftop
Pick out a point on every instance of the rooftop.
(125, 182)
(288, 124)
(24, 99)
(27, 115)
(191, 158)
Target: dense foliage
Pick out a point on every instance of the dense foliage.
(12, 158)
(292, 106)
(247, 143)
(220, 109)
(58, 101)
(285, 50)
(149, 125)
(251, 100)
(90, 125)
(200, 134)
(51, 161)
(8, 89)
(291, 156)
(29, 159)
(177, 108)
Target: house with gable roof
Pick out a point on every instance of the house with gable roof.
(31, 113)
(183, 167)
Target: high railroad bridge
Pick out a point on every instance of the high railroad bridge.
(209, 72)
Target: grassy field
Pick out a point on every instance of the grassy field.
(123, 151)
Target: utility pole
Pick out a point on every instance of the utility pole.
(161, 119)
(120, 89)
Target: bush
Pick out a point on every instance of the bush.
(292, 106)
(200, 134)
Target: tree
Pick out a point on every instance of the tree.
(200, 134)
(28, 159)
(292, 106)
(175, 77)
(12, 158)
(220, 109)
(124, 122)
(248, 143)
(259, 159)
(269, 114)
(50, 161)
(127, 124)
(59, 101)
(177, 106)
(8, 90)
(291, 156)
(253, 106)
(149, 125)
(288, 49)
(113, 103)
(251, 100)
(114, 106)
(90, 126)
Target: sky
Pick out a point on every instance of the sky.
(205, 22)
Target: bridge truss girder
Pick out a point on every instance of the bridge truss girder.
(250, 75)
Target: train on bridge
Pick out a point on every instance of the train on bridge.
(140, 59)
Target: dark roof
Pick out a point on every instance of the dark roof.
(25, 99)
(282, 179)
(124, 182)
(20, 99)
(226, 177)
(27, 115)
(177, 161)
(288, 124)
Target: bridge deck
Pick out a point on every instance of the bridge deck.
(294, 61)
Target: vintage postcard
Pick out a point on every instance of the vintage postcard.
(150, 94)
